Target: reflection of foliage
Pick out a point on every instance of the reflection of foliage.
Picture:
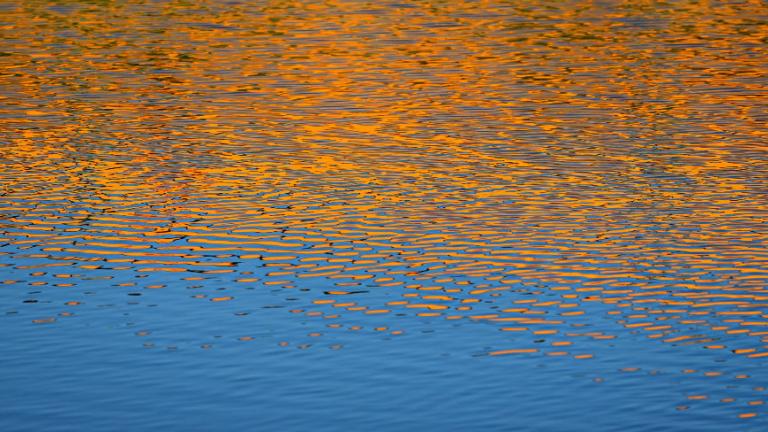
(83, 2)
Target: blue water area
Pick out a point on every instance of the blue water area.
(160, 361)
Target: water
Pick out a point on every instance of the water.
(507, 216)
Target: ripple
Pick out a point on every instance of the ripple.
(564, 186)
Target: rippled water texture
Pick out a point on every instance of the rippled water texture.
(350, 216)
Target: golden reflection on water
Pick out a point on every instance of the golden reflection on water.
(449, 154)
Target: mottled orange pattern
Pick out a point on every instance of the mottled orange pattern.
(516, 164)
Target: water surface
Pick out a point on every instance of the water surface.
(348, 215)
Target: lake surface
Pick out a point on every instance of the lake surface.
(350, 216)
